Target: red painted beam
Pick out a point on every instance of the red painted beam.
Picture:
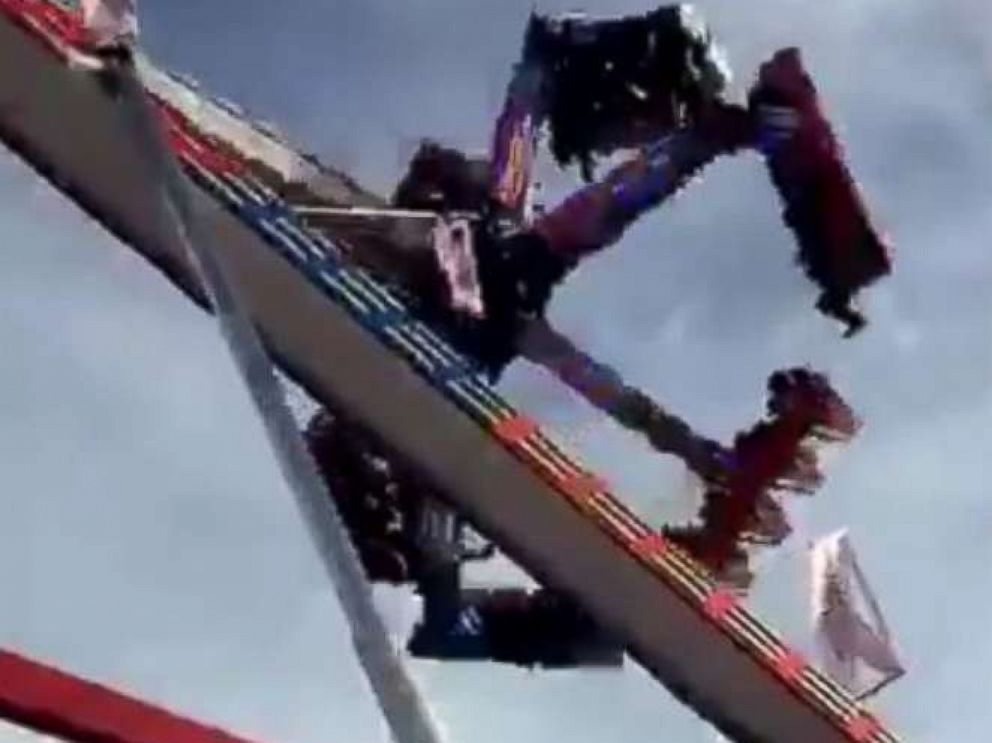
(50, 702)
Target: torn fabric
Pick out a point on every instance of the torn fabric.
(857, 651)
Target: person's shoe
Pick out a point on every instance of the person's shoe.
(842, 308)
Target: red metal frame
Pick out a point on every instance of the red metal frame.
(51, 702)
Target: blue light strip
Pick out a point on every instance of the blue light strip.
(376, 308)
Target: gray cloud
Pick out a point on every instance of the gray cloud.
(148, 540)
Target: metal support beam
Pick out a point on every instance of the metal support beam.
(50, 702)
(405, 713)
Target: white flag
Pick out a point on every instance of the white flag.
(856, 652)
(456, 256)
(110, 22)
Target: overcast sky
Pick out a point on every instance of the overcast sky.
(146, 538)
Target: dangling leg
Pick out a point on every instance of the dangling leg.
(602, 387)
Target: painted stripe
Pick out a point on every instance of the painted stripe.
(652, 545)
(582, 486)
(718, 605)
(790, 666)
(863, 727)
(513, 430)
(275, 236)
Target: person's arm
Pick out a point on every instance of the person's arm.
(604, 388)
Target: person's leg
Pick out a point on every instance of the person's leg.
(603, 388)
